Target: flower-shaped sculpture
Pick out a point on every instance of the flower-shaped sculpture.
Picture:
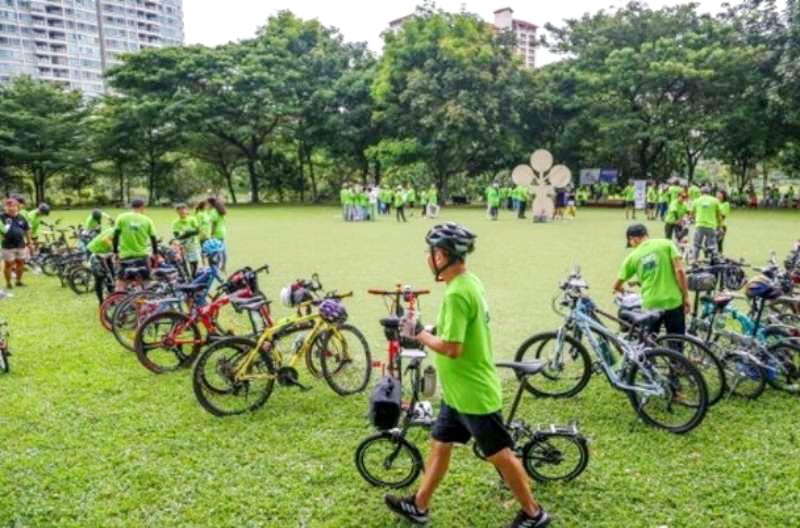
(543, 179)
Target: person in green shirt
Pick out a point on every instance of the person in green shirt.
(521, 194)
(216, 215)
(725, 211)
(493, 200)
(423, 200)
(185, 230)
(629, 197)
(101, 249)
(350, 205)
(694, 192)
(203, 222)
(343, 198)
(652, 201)
(94, 222)
(388, 201)
(674, 191)
(663, 201)
(707, 217)
(34, 218)
(677, 210)
(472, 396)
(658, 267)
(411, 197)
(134, 239)
(400, 203)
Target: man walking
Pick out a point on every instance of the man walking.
(707, 217)
(472, 396)
(16, 241)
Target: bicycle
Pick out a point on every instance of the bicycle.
(664, 388)
(388, 459)
(5, 351)
(162, 338)
(230, 370)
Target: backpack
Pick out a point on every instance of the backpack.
(384, 404)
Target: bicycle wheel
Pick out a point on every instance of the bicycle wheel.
(167, 341)
(50, 265)
(108, 308)
(684, 402)
(213, 378)
(702, 358)
(80, 280)
(555, 456)
(744, 377)
(131, 313)
(345, 359)
(783, 366)
(568, 365)
(389, 460)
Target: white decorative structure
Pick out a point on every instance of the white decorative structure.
(542, 178)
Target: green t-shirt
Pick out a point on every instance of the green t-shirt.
(433, 196)
(694, 192)
(34, 221)
(90, 223)
(470, 383)
(629, 193)
(343, 196)
(652, 195)
(725, 210)
(663, 196)
(348, 197)
(652, 264)
(217, 220)
(399, 198)
(673, 192)
(705, 210)
(521, 193)
(676, 210)
(203, 224)
(183, 225)
(411, 195)
(102, 244)
(493, 196)
(135, 231)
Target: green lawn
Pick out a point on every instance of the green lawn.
(89, 438)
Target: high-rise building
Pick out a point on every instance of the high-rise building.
(74, 41)
(504, 20)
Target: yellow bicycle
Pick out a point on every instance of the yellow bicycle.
(237, 374)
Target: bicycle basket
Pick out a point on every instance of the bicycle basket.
(702, 281)
(384, 404)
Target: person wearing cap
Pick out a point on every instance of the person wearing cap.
(472, 395)
(16, 241)
(657, 266)
(94, 222)
(707, 216)
(134, 240)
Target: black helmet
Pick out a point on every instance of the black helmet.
(97, 214)
(44, 208)
(454, 239)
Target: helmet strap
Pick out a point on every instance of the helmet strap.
(437, 272)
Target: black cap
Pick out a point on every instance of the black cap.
(137, 203)
(635, 230)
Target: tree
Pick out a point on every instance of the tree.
(42, 126)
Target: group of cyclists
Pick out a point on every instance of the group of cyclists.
(368, 202)
(517, 199)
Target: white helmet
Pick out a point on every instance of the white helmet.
(286, 296)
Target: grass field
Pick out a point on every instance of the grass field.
(89, 438)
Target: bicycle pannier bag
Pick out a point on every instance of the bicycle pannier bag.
(384, 404)
(702, 282)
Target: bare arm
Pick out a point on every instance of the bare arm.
(683, 283)
(618, 286)
(445, 348)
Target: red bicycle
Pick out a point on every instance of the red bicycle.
(394, 300)
(169, 340)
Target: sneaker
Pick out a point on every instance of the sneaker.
(407, 509)
(523, 520)
(21, 285)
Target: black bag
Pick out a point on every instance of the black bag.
(702, 282)
(384, 404)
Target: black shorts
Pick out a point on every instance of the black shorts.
(629, 203)
(488, 430)
(134, 269)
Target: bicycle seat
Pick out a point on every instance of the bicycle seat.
(523, 368)
(722, 300)
(133, 273)
(253, 304)
(391, 323)
(413, 353)
(640, 317)
(190, 288)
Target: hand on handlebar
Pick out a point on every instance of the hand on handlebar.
(409, 325)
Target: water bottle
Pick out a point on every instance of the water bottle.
(429, 382)
(298, 342)
(605, 351)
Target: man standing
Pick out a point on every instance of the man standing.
(134, 239)
(185, 229)
(521, 193)
(629, 197)
(657, 265)
(16, 241)
(493, 200)
(400, 203)
(707, 217)
(472, 396)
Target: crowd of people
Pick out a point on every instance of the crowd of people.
(517, 199)
(366, 203)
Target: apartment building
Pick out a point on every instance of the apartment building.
(73, 42)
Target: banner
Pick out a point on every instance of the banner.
(640, 197)
(609, 175)
(590, 176)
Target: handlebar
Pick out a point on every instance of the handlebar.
(263, 268)
(398, 291)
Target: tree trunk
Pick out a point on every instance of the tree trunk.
(253, 174)
(38, 185)
(228, 175)
(312, 177)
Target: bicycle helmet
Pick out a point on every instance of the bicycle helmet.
(332, 311)
(457, 241)
(213, 246)
(760, 287)
(44, 209)
(97, 215)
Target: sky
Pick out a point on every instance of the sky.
(213, 22)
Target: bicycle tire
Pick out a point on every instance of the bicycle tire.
(153, 361)
(80, 280)
(540, 452)
(787, 379)
(677, 364)
(745, 378)
(131, 313)
(108, 306)
(578, 353)
(395, 445)
(704, 359)
(205, 388)
(5, 365)
(50, 265)
(336, 363)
